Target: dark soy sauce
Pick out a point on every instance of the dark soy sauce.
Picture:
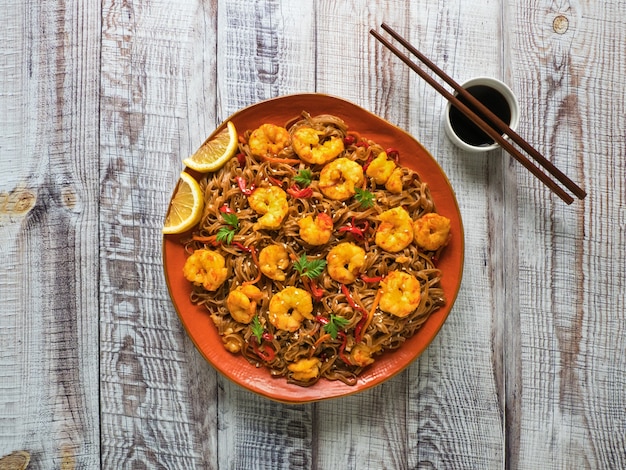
(466, 129)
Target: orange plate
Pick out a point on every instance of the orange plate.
(197, 321)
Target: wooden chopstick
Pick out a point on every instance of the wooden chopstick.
(501, 127)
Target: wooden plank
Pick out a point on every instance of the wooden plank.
(572, 258)
(265, 50)
(454, 416)
(367, 430)
(48, 204)
(157, 106)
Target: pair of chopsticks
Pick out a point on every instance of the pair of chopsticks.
(475, 106)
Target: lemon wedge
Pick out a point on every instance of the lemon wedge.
(186, 206)
(215, 152)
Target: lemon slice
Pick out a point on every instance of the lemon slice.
(215, 152)
(186, 206)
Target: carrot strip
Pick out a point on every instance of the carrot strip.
(212, 239)
(319, 341)
(370, 315)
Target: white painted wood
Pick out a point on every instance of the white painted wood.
(155, 110)
(48, 228)
(571, 259)
(100, 102)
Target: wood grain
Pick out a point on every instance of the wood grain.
(565, 381)
(100, 103)
(49, 293)
(148, 368)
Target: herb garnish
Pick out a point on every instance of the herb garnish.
(303, 178)
(226, 234)
(364, 197)
(309, 268)
(335, 324)
(257, 329)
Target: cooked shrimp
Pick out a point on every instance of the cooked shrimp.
(344, 262)
(242, 302)
(206, 268)
(394, 182)
(273, 260)
(268, 139)
(361, 354)
(395, 231)
(432, 231)
(289, 307)
(380, 168)
(400, 293)
(306, 143)
(232, 342)
(316, 231)
(305, 369)
(272, 203)
(339, 178)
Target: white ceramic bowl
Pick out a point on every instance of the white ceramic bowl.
(505, 91)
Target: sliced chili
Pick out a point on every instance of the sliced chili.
(303, 193)
(342, 348)
(316, 291)
(393, 153)
(349, 139)
(241, 159)
(275, 181)
(243, 186)
(267, 354)
(242, 247)
(354, 305)
(371, 279)
(354, 229)
(321, 319)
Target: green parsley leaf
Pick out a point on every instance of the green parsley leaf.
(304, 178)
(335, 324)
(364, 197)
(309, 268)
(225, 235)
(231, 219)
(257, 329)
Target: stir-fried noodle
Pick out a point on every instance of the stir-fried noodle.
(342, 282)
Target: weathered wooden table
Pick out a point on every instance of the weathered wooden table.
(100, 101)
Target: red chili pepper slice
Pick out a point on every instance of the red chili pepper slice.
(275, 181)
(241, 159)
(349, 139)
(393, 153)
(267, 336)
(354, 305)
(368, 161)
(304, 193)
(242, 247)
(316, 291)
(322, 320)
(354, 229)
(371, 279)
(243, 186)
(342, 348)
(358, 333)
(226, 210)
(267, 354)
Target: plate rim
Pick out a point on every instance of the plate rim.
(302, 395)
